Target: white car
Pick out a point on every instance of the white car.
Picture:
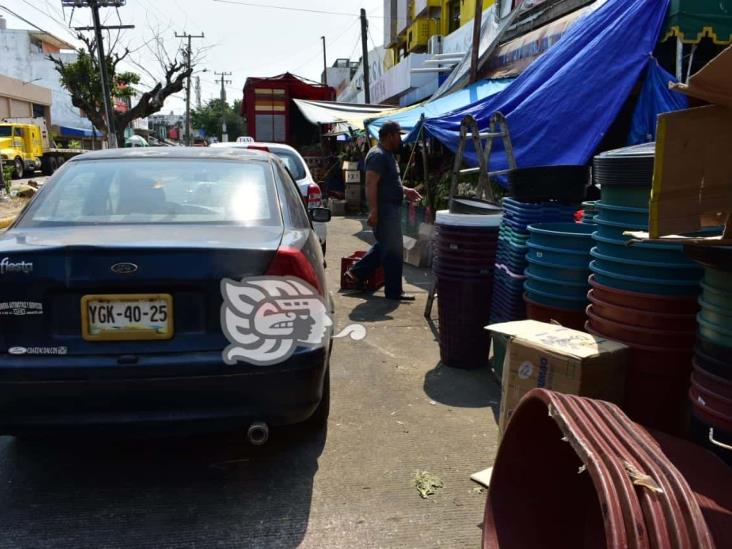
(309, 189)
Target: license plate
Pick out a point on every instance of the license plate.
(127, 317)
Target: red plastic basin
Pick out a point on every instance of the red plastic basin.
(566, 317)
(645, 302)
(639, 335)
(638, 317)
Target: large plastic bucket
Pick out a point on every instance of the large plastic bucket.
(718, 368)
(638, 317)
(644, 301)
(552, 271)
(656, 384)
(683, 271)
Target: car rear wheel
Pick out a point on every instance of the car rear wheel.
(19, 170)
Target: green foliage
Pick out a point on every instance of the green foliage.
(208, 118)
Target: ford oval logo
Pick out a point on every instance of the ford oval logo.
(124, 268)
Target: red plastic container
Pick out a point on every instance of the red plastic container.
(373, 283)
(645, 302)
(656, 384)
(566, 317)
(639, 317)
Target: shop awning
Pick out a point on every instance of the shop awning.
(561, 106)
(692, 20)
(68, 131)
(345, 115)
(409, 119)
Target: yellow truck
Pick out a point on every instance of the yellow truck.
(25, 143)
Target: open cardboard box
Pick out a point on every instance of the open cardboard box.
(692, 181)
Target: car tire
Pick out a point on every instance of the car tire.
(319, 419)
(19, 168)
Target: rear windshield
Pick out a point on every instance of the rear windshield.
(293, 163)
(143, 191)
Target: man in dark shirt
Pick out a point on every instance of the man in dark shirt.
(385, 193)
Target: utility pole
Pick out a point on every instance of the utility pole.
(365, 55)
(188, 54)
(477, 23)
(223, 75)
(325, 63)
(97, 28)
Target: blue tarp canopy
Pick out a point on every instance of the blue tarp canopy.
(68, 131)
(655, 98)
(561, 106)
(409, 120)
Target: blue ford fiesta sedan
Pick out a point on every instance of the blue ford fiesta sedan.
(171, 288)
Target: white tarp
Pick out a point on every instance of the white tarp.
(346, 115)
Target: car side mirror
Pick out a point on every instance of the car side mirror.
(321, 215)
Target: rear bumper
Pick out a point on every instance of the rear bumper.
(61, 393)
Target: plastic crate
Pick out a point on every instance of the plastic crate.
(374, 282)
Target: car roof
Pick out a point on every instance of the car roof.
(222, 153)
(249, 144)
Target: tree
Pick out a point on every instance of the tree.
(208, 118)
(82, 79)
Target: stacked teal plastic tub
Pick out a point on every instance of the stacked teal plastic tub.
(641, 292)
(557, 274)
(711, 383)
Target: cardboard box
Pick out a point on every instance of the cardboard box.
(693, 168)
(417, 252)
(349, 166)
(352, 177)
(337, 207)
(559, 359)
(353, 195)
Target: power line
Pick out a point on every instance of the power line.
(288, 8)
(332, 42)
(59, 22)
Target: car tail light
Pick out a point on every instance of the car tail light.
(258, 148)
(292, 262)
(315, 198)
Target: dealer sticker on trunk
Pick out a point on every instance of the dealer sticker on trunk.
(21, 308)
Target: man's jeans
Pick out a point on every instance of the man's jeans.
(387, 251)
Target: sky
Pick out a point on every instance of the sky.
(244, 37)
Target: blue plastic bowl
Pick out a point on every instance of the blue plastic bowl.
(564, 236)
(631, 196)
(652, 286)
(557, 288)
(715, 314)
(713, 332)
(623, 215)
(718, 279)
(559, 257)
(719, 298)
(551, 299)
(611, 229)
(688, 272)
(552, 271)
(641, 251)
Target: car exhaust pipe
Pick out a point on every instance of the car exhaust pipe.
(258, 433)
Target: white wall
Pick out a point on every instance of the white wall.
(18, 60)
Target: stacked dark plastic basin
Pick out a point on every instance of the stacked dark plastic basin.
(511, 259)
(643, 295)
(557, 275)
(465, 255)
(589, 211)
(711, 382)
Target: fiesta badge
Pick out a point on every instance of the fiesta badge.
(124, 268)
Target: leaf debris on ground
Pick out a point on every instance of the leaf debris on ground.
(427, 483)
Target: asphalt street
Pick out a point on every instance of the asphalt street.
(395, 411)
